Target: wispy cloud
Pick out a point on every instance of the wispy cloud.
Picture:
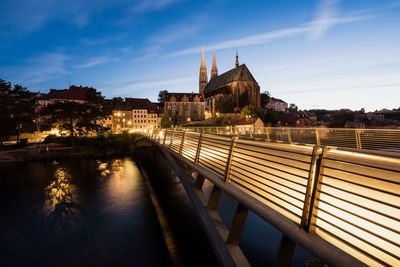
(152, 5)
(326, 13)
(95, 61)
(185, 29)
(135, 87)
(326, 17)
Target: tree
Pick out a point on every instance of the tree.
(6, 122)
(252, 111)
(270, 116)
(117, 101)
(224, 104)
(166, 120)
(264, 98)
(161, 97)
(22, 110)
(78, 118)
(293, 107)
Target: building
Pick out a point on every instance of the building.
(248, 125)
(135, 114)
(276, 104)
(238, 82)
(73, 93)
(184, 107)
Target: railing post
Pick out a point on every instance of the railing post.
(314, 201)
(182, 141)
(312, 174)
(172, 137)
(165, 136)
(197, 157)
(268, 134)
(317, 137)
(289, 135)
(229, 160)
(358, 138)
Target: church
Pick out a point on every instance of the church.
(238, 83)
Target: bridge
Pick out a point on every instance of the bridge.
(342, 204)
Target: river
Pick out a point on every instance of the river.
(78, 212)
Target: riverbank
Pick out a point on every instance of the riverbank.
(58, 148)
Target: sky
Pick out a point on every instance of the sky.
(328, 54)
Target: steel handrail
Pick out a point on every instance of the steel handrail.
(348, 197)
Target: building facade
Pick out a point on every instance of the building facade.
(238, 83)
(134, 114)
(184, 107)
(277, 104)
(133, 120)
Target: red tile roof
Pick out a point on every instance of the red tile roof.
(72, 93)
(249, 121)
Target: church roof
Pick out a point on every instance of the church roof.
(242, 73)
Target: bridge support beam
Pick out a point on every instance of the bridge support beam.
(237, 225)
(285, 253)
(214, 198)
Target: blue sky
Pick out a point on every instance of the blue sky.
(318, 54)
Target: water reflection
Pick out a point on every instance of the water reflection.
(60, 205)
(119, 193)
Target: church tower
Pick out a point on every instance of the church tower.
(237, 60)
(203, 80)
(214, 70)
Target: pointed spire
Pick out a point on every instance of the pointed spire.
(214, 70)
(203, 61)
(237, 60)
(203, 80)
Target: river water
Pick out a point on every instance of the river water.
(79, 212)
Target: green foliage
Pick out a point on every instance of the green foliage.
(265, 97)
(6, 122)
(270, 116)
(267, 116)
(16, 110)
(224, 104)
(78, 118)
(161, 97)
(252, 111)
(166, 120)
(293, 107)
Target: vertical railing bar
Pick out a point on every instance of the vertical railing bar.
(182, 141)
(229, 160)
(289, 135)
(358, 139)
(172, 137)
(165, 136)
(316, 153)
(317, 136)
(197, 157)
(313, 210)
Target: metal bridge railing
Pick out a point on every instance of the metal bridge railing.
(350, 138)
(348, 197)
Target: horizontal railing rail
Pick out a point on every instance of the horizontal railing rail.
(379, 139)
(348, 197)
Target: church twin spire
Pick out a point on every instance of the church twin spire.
(203, 80)
(214, 70)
